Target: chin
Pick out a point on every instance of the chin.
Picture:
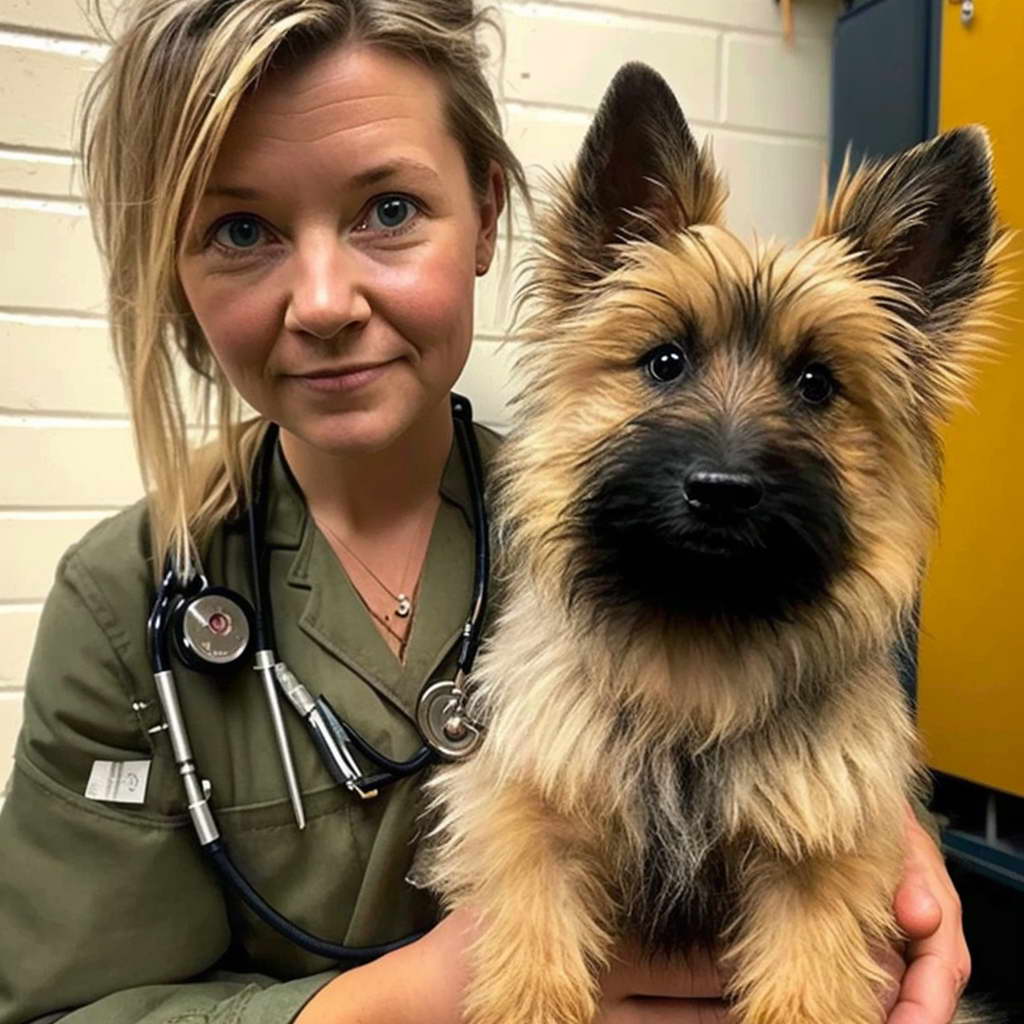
(352, 435)
(358, 431)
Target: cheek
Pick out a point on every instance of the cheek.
(239, 323)
(429, 300)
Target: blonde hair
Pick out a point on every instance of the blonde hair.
(154, 118)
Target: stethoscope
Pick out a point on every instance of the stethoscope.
(213, 628)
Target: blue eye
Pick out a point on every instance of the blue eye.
(390, 213)
(239, 233)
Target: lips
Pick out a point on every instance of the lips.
(342, 378)
(340, 371)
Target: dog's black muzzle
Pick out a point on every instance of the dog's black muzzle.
(677, 522)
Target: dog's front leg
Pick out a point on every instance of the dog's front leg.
(542, 910)
(803, 949)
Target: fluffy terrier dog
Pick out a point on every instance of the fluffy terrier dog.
(714, 509)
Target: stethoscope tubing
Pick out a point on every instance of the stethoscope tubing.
(221, 860)
(462, 413)
(197, 789)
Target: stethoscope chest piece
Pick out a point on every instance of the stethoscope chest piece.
(212, 629)
(444, 723)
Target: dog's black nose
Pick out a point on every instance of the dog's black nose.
(708, 491)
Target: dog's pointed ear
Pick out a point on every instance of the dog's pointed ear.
(927, 219)
(638, 175)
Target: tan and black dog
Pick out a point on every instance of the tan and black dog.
(714, 509)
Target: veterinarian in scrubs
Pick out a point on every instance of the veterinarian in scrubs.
(296, 196)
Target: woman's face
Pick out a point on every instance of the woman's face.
(332, 262)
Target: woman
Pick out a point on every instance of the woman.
(296, 196)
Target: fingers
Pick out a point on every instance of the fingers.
(924, 885)
(928, 910)
(638, 990)
(667, 1011)
(929, 993)
(892, 962)
(918, 912)
(696, 977)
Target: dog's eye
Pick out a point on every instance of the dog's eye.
(664, 363)
(816, 384)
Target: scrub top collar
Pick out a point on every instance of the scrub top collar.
(336, 618)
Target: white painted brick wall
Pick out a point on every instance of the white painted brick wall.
(65, 451)
(52, 17)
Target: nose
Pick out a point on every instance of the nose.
(722, 492)
(327, 293)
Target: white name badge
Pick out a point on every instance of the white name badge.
(120, 782)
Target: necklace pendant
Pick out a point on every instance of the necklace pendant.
(404, 607)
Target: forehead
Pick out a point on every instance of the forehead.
(353, 104)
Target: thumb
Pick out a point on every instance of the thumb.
(917, 911)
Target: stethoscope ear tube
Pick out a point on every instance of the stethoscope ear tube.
(393, 770)
(462, 412)
(218, 854)
(441, 713)
(157, 624)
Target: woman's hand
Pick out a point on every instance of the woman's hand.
(422, 983)
(927, 981)
(927, 907)
(635, 991)
(425, 983)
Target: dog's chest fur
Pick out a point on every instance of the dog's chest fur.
(685, 885)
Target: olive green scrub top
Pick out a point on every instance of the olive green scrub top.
(109, 912)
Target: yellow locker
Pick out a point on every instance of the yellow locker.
(971, 669)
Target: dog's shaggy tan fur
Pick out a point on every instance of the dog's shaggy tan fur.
(643, 763)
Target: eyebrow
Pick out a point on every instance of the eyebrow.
(364, 179)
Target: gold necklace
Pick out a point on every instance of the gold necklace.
(403, 606)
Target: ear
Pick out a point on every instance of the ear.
(926, 222)
(491, 206)
(639, 175)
